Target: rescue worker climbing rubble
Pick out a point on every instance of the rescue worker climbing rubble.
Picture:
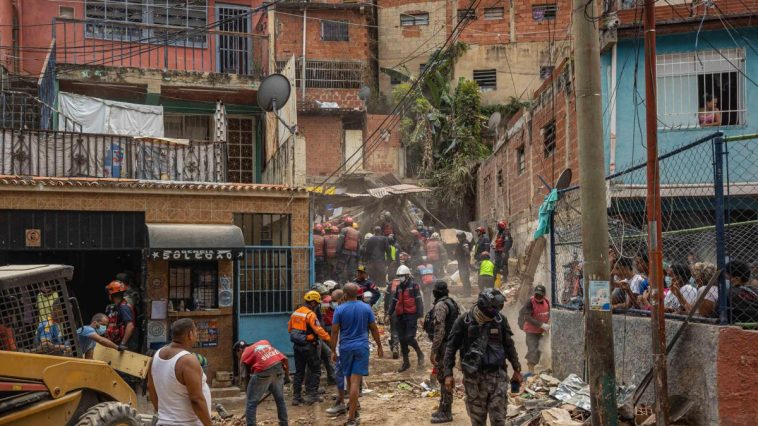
(306, 333)
(349, 249)
(484, 340)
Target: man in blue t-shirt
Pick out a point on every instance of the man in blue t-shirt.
(350, 326)
(92, 334)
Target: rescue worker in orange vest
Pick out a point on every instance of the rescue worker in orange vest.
(121, 317)
(305, 332)
(535, 319)
(426, 274)
(331, 251)
(319, 252)
(349, 249)
(503, 244)
(407, 304)
(436, 254)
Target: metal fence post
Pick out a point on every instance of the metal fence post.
(553, 284)
(719, 207)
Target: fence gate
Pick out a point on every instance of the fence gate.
(234, 50)
(272, 281)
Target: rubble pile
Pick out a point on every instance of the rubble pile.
(536, 404)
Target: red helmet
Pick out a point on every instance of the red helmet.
(481, 230)
(318, 228)
(485, 254)
(348, 220)
(502, 224)
(115, 286)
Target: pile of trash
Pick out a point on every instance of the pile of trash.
(237, 420)
(545, 400)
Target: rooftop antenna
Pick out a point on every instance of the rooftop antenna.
(273, 94)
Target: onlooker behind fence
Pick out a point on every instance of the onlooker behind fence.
(703, 272)
(623, 297)
(743, 297)
(682, 294)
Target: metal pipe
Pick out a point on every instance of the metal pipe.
(302, 77)
(653, 208)
(719, 207)
(598, 323)
(612, 92)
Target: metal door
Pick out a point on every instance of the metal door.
(234, 47)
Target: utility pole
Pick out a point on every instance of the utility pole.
(653, 207)
(598, 320)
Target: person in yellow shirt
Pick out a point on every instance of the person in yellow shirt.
(486, 272)
(306, 333)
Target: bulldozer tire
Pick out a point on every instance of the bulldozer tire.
(109, 414)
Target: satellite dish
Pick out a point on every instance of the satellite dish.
(494, 121)
(273, 92)
(564, 180)
(364, 93)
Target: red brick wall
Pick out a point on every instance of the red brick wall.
(323, 136)
(737, 375)
(383, 158)
(482, 31)
(527, 29)
(345, 98)
(289, 33)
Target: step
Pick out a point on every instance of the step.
(231, 391)
(231, 404)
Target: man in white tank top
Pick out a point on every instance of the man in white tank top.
(177, 385)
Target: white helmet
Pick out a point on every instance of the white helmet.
(403, 270)
(330, 285)
(368, 236)
(436, 236)
(367, 296)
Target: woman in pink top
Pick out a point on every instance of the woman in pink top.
(710, 115)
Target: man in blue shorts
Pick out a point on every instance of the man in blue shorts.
(352, 321)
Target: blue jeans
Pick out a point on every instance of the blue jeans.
(271, 380)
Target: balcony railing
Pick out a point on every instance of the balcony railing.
(115, 44)
(67, 154)
(329, 74)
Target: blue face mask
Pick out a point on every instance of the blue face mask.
(101, 329)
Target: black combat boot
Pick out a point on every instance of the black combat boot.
(445, 415)
(406, 364)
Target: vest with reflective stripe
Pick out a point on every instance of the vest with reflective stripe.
(352, 238)
(331, 243)
(406, 301)
(540, 312)
(487, 268)
(299, 323)
(318, 245)
(427, 273)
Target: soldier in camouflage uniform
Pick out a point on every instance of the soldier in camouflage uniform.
(445, 312)
(483, 337)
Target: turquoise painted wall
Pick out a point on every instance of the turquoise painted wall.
(695, 165)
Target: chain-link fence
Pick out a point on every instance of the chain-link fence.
(709, 204)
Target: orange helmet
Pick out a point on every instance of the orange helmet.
(115, 286)
(335, 230)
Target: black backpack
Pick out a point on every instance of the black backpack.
(453, 312)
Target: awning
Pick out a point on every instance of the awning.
(194, 242)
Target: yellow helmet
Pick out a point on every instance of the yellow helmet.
(312, 296)
(355, 225)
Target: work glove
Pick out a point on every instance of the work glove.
(546, 327)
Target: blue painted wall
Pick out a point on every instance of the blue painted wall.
(630, 127)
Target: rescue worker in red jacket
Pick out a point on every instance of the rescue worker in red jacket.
(408, 306)
(269, 367)
(305, 332)
(331, 251)
(426, 274)
(349, 249)
(436, 254)
(503, 244)
(535, 317)
(319, 252)
(121, 317)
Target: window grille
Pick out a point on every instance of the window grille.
(412, 19)
(548, 136)
(687, 81)
(542, 12)
(521, 160)
(188, 126)
(494, 13)
(193, 286)
(486, 79)
(464, 14)
(334, 31)
(242, 149)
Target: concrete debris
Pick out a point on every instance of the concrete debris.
(237, 420)
(558, 417)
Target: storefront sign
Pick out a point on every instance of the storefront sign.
(207, 333)
(196, 254)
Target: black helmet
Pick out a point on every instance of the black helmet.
(490, 301)
(440, 289)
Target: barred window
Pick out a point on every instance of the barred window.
(701, 89)
(334, 31)
(548, 136)
(521, 160)
(486, 79)
(193, 285)
(542, 12)
(464, 14)
(494, 13)
(411, 19)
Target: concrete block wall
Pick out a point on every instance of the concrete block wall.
(715, 367)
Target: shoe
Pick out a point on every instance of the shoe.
(395, 355)
(406, 365)
(336, 410)
(310, 400)
(441, 417)
(353, 422)
(297, 401)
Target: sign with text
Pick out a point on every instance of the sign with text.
(196, 254)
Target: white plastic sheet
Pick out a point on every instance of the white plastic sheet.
(110, 117)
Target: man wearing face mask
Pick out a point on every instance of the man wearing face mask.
(92, 334)
(408, 306)
(176, 383)
(483, 337)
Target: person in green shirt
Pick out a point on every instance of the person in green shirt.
(486, 271)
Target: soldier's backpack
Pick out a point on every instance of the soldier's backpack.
(453, 314)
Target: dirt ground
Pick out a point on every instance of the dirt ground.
(383, 403)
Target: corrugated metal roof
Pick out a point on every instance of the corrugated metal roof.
(109, 183)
